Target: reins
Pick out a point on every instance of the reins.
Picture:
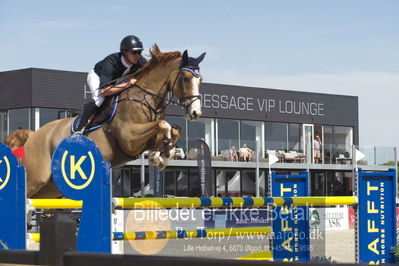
(165, 101)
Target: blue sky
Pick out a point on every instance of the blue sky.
(342, 47)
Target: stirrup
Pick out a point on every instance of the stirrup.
(80, 132)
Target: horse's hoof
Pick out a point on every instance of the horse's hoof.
(162, 165)
(154, 158)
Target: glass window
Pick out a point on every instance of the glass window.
(222, 178)
(47, 115)
(72, 113)
(234, 184)
(200, 129)
(249, 132)
(182, 183)
(19, 118)
(170, 177)
(318, 184)
(328, 144)
(122, 182)
(194, 184)
(294, 137)
(227, 134)
(248, 188)
(135, 179)
(181, 122)
(3, 124)
(276, 136)
(343, 141)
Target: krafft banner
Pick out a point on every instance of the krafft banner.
(204, 168)
(377, 211)
(291, 223)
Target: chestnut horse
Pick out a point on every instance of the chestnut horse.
(137, 126)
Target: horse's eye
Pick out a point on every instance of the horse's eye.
(186, 79)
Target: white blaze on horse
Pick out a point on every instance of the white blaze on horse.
(137, 125)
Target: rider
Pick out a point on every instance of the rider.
(112, 67)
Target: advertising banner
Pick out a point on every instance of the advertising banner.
(291, 224)
(377, 213)
(204, 168)
(156, 181)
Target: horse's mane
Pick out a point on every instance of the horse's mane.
(157, 57)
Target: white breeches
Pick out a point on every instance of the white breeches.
(93, 82)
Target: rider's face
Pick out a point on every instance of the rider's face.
(133, 56)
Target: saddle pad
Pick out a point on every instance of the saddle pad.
(97, 124)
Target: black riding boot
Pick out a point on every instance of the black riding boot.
(88, 110)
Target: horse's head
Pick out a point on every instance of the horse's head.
(188, 85)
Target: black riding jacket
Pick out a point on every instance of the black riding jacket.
(111, 67)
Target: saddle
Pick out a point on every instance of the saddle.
(104, 114)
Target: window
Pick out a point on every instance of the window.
(3, 125)
(47, 115)
(194, 184)
(181, 122)
(337, 143)
(170, 177)
(276, 136)
(294, 137)
(19, 118)
(249, 132)
(234, 184)
(343, 141)
(227, 134)
(122, 182)
(222, 178)
(248, 188)
(182, 183)
(200, 129)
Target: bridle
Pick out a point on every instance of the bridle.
(185, 101)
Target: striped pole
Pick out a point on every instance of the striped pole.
(233, 202)
(183, 234)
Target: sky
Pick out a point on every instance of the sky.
(339, 47)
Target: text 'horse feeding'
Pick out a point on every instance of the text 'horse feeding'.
(138, 123)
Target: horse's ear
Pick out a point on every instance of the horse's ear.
(200, 58)
(184, 59)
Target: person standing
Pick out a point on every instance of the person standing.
(317, 149)
(100, 78)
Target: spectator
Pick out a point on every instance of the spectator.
(245, 153)
(233, 155)
(316, 148)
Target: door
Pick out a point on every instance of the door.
(308, 142)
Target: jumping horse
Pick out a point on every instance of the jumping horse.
(137, 126)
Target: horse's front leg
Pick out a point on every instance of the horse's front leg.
(166, 139)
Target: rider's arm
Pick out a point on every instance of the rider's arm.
(113, 89)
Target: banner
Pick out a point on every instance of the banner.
(156, 181)
(377, 213)
(291, 223)
(204, 168)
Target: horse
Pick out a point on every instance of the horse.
(17, 139)
(138, 124)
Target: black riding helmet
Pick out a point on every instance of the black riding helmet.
(131, 43)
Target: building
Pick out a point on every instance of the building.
(282, 122)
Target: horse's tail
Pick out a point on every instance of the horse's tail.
(18, 138)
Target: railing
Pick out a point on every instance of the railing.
(330, 154)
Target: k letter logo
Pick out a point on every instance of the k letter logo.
(5, 172)
(78, 170)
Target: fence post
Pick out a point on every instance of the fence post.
(57, 235)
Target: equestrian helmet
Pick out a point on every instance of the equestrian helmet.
(131, 43)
